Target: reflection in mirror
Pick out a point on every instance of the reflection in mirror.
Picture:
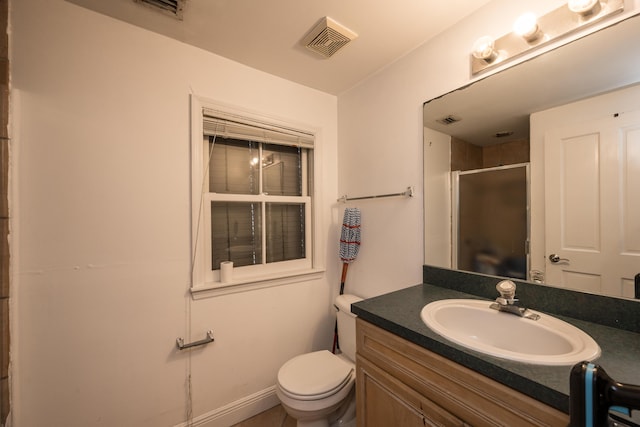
(490, 220)
(487, 124)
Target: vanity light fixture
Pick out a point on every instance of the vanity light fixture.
(526, 26)
(584, 7)
(484, 49)
(531, 32)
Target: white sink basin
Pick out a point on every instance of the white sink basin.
(546, 341)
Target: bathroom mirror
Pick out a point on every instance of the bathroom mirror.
(496, 110)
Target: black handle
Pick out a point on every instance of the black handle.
(593, 393)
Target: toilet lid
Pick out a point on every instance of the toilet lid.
(314, 375)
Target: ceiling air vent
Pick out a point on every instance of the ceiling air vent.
(327, 37)
(170, 7)
(503, 134)
(448, 120)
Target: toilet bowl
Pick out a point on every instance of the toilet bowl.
(317, 389)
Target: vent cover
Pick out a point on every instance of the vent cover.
(169, 7)
(448, 120)
(327, 37)
(503, 134)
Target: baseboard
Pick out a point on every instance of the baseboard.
(236, 411)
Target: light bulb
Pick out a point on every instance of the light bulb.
(584, 7)
(526, 26)
(484, 48)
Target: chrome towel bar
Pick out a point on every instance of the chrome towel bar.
(182, 346)
(407, 193)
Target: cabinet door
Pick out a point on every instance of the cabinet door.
(382, 402)
(436, 416)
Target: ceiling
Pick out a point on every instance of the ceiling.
(267, 34)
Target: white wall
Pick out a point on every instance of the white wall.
(437, 212)
(100, 230)
(381, 144)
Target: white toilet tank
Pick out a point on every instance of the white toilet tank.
(347, 325)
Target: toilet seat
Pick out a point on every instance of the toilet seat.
(314, 376)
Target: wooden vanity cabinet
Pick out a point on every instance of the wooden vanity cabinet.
(402, 384)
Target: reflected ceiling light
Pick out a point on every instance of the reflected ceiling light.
(584, 7)
(484, 48)
(526, 26)
(528, 32)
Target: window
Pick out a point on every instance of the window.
(253, 200)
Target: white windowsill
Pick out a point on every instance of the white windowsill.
(213, 289)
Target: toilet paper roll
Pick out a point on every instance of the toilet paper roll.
(226, 271)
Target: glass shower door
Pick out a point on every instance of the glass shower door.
(491, 220)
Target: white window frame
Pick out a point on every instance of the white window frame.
(204, 281)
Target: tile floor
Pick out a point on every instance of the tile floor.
(274, 417)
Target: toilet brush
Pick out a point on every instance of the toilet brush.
(349, 247)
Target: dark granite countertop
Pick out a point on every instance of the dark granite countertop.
(399, 313)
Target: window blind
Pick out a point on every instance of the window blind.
(218, 123)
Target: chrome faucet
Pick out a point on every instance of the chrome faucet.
(508, 303)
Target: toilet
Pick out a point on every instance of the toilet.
(318, 389)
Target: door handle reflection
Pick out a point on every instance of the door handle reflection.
(555, 258)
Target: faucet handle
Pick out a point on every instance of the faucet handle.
(507, 289)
